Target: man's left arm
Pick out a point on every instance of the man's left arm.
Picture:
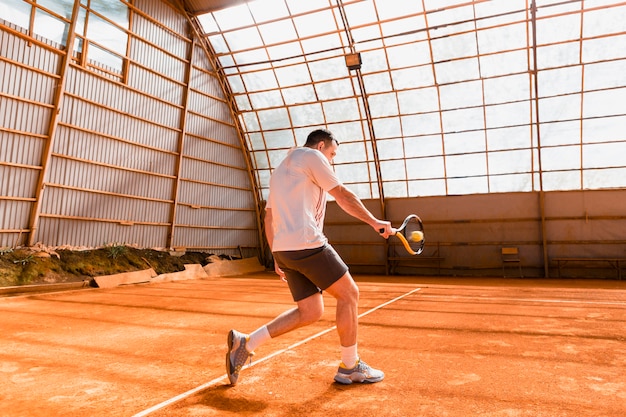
(269, 234)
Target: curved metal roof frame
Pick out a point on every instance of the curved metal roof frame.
(458, 97)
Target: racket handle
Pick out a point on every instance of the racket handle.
(393, 231)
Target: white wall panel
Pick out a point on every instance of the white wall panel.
(159, 12)
(189, 216)
(83, 145)
(85, 175)
(212, 173)
(24, 116)
(204, 83)
(209, 107)
(199, 194)
(155, 85)
(99, 207)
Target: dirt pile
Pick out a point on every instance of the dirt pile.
(44, 265)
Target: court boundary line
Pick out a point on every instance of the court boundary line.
(528, 300)
(213, 382)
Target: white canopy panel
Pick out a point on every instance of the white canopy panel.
(452, 97)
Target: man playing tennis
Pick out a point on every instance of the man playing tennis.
(294, 220)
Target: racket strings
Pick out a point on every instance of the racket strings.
(414, 234)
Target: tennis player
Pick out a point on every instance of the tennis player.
(294, 220)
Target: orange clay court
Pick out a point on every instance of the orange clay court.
(448, 347)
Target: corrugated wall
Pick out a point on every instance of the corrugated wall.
(29, 74)
(154, 161)
(469, 231)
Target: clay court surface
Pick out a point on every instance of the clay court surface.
(449, 347)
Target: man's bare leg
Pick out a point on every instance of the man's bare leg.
(241, 346)
(307, 311)
(346, 292)
(352, 368)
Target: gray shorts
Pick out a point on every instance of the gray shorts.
(310, 271)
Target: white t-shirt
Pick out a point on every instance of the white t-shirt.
(297, 199)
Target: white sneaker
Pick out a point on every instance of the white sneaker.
(237, 354)
(361, 372)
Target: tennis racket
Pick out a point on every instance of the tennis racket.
(411, 234)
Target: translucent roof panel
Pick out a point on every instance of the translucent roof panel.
(452, 97)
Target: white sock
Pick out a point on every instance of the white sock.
(257, 338)
(349, 356)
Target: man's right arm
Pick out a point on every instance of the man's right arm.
(351, 204)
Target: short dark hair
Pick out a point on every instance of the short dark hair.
(319, 135)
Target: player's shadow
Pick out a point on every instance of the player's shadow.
(315, 403)
(223, 398)
(218, 398)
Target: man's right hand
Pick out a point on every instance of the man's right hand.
(384, 228)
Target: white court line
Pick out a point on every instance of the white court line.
(279, 352)
(527, 300)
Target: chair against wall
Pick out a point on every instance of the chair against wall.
(510, 255)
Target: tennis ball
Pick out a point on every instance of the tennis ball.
(417, 236)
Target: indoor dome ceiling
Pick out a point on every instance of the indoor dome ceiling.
(448, 95)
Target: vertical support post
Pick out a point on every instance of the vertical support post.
(181, 145)
(52, 127)
(542, 203)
